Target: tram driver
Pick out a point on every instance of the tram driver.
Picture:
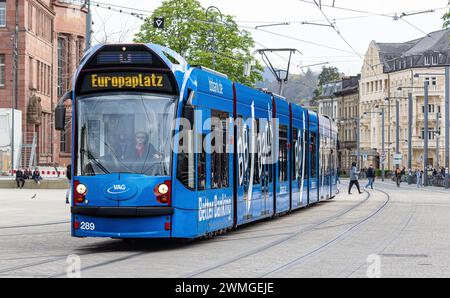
(143, 149)
(142, 156)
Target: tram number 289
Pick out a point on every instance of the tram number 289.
(87, 226)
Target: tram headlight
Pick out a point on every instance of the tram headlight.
(163, 188)
(81, 189)
(163, 192)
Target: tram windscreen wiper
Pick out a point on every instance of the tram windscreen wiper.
(89, 154)
(93, 159)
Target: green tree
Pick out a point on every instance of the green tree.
(188, 32)
(328, 74)
(446, 18)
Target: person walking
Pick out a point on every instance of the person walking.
(370, 176)
(398, 176)
(419, 179)
(410, 174)
(354, 179)
(20, 178)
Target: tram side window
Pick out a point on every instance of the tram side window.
(201, 158)
(300, 152)
(219, 155)
(283, 154)
(186, 158)
(313, 154)
(328, 156)
(271, 162)
(295, 157)
(321, 154)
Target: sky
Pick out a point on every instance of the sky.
(369, 20)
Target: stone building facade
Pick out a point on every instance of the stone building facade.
(340, 101)
(51, 41)
(389, 66)
(348, 113)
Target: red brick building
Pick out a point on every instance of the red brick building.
(51, 41)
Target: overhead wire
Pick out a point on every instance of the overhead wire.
(414, 26)
(140, 15)
(333, 25)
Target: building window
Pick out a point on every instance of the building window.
(434, 60)
(430, 108)
(430, 134)
(63, 62)
(427, 60)
(2, 70)
(66, 134)
(2, 13)
(30, 17)
(433, 81)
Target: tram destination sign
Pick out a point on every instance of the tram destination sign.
(135, 81)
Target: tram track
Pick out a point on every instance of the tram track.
(58, 258)
(329, 243)
(34, 233)
(142, 253)
(35, 225)
(277, 242)
(395, 237)
(116, 246)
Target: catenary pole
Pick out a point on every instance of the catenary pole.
(410, 112)
(447, 124)
(425, 135)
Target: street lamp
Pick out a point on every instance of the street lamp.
(383, 155)
(397, 127)
(410, 116)
(447, 121)
(214, 32)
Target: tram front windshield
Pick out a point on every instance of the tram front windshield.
(124, 133)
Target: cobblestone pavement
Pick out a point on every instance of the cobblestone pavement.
(387, 232)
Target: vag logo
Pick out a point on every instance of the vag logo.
(117, 189)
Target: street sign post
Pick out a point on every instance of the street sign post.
(383, 158)
(398, 159)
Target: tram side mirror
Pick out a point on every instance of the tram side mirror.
(60, 117)
(60, 111)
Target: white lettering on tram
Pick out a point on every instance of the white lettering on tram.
(215, 86)
(219, 207)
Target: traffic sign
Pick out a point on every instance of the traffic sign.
(158, 23)
(398, 159)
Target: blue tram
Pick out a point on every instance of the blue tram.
(162, 149)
